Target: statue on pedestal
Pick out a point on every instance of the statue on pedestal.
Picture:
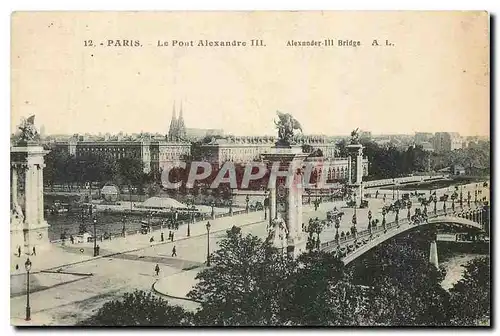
(277, 231)
(355, 137)
(286, 126)
(28, 131)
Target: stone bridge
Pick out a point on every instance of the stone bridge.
(351, 247)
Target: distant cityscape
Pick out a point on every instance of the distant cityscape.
(157, 150)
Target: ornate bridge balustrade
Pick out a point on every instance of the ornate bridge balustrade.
(351, 247)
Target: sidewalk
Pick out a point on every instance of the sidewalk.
(58, 255)
(177, 286)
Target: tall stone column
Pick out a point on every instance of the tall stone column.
(300, 191)
(291, 215)
(14, 186)
(40, 194)
(433, 255)
(272, 204)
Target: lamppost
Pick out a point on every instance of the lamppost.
(94, 221)
(461, 196)
(317, 230)
(247, 200)
(397, 217)
(150, 216)
(435, 204)
(353, 228)
(337, 225)
(393, 188)
(123, 225)
(408, 215)
(383, 220)
(213, 213)
(27, 265)
(475, 196)
(444, 204)
(370, 222)
(468, 198)
(266, 204)
(208, 243)
(189, 226)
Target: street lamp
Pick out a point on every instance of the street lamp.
(212, 205)
(408, 215)
(94, 221)
(370, 221)
(27, 265)
(123, 227)
(461, 196)
(247, 199)
(189, 226)
(393, 188)
(435, 204)
(266, 204)
(383, 219)
(337, 226)
(208, 243)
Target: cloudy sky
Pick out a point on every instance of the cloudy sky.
(435, 77)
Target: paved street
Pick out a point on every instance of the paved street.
(128, 263)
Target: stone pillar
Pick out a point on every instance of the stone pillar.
(355, 170)
(40, 194)
(300, 191)
(272, 204)
(291, 214)
(14, 186)
(433, 255)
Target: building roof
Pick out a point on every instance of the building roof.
(161, 202)
(109, 190)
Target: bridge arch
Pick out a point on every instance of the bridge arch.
(364, 243)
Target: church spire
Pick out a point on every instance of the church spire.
(173, 130)
(181, 128)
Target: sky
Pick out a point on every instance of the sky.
(433, 77)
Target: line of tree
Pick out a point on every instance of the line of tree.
(91, 169)
(252, 284)
(390, 161)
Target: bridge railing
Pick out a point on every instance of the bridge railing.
(364, 236)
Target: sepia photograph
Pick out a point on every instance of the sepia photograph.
(250, 169)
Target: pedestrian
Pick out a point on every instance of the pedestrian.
(172, 236)
(161, 237)
(19, 251)
(157, 269)
(34, 251)
(151, 239)
(169, 235)
(174, 252)
(72, 239)
(17, 267)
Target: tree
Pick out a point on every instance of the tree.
(245, 284)
(342, 148)
(321, 293)
(130, 172)
(139, 309)
(470, 297)
(406, 288)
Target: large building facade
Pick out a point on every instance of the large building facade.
(447, 141)
(153, 154)
(243, 149)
